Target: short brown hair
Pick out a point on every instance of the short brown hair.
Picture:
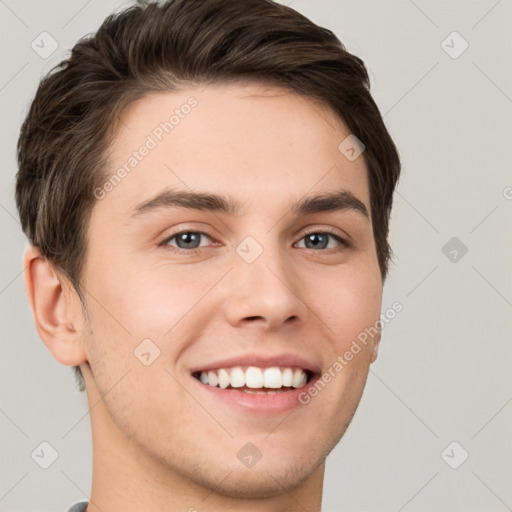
(63, 143)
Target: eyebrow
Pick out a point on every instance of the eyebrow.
(336, 201)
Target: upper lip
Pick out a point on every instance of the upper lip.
(262, 361)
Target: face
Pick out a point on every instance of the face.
(185, 291)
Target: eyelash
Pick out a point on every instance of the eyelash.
(167, 239)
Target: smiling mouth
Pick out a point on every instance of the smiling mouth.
(256, 380)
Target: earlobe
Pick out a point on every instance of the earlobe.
(375, 348)
(56, 308)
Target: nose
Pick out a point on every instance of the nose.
(264, 293)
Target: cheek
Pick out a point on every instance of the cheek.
(351, 310)
(349, 304)
(144, 302)
(136, 314)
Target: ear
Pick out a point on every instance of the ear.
(375, 349)
(56, 308)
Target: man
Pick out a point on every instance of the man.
(206, 186)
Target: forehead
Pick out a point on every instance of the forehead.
(254, 141)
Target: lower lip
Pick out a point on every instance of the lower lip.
(259, 403)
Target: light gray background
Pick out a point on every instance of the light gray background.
(444, 371)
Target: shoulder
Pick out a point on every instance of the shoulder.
(79, 507)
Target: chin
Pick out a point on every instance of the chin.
(261, 481)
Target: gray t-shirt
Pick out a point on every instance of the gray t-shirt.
(79, 507)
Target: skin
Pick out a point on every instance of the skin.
(158, 444)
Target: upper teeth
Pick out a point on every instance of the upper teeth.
(254, 377)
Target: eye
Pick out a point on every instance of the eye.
(190, 241)
(185, 240)
(320, 240)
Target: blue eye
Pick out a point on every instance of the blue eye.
(320, 240)
(190, 241)
(186, 240)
